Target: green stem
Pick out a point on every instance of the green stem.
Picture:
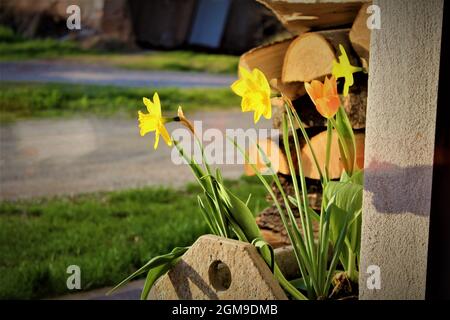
(328, 150)
(346, 154)
(299, 249)
(308, 229)
(306, 137)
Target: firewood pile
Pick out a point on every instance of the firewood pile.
(317, 28)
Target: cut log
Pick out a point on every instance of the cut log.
(318, 144)
(269, 59)
(360, 36)
(274, 150)
(299, 16)
(310, 56)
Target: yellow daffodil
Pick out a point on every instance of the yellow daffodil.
(153, 120)
(254, 89)
(325, 96)
(343, 69)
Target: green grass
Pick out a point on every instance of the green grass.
(13, 47)
(168, 60)
(108, 235)
(35, 100)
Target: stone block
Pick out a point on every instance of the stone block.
(219, 269)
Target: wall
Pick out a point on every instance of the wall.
(400, 134)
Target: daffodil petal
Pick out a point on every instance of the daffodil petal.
(165, 135)
(147, 123)
(257, 115)
(261, 80)
(155, 146)
(148, 103)
(322, 107)
(268, 113)
(244, 73)
(246, 104)
(157, 104)
(330, 87)
(314, 89)
(239, 87)
(268, 110)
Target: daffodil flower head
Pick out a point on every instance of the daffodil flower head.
(343, 69)
(254, 89)
(324, 96)
(153, 121)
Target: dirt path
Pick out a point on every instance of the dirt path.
(51, 157)
(71, 72)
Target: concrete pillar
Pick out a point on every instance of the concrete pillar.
(400, 136)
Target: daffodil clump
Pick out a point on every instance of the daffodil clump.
(228, 216)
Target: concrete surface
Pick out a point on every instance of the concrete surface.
(71, 72)
(194, 277)
(53, 157)
(400, 133)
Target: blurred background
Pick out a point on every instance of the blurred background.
(78, 185)
(225, 26)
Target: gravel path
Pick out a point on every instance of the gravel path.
(71, 72)
(52, 157)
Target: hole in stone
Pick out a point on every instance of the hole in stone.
(219, 275)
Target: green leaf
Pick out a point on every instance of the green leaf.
(153, 263)
(239, 212)
(154, 274)
(338, 247)
(347, 203)
(264, 248)
(207, 217)
(311, 211)
(299, 283)
(196, 169)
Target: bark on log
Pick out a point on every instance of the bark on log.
(300, 16)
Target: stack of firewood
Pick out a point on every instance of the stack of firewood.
(317, 31)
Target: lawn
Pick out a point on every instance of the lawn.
(108, 235)
(34, 100)
(13, 48)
